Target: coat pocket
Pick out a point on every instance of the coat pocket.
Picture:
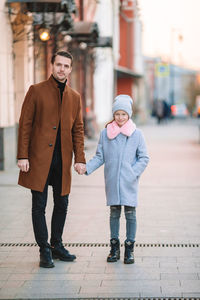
(129, 174)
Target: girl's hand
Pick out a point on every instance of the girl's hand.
(80, 168)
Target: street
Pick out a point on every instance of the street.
(167, 251)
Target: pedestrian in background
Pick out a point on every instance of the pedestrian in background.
(123, 151)
(50, 130)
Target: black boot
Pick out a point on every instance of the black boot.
(46, 260)
(114, 251)
(128, 254)
(61, 253)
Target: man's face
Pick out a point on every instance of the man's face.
(61, 68)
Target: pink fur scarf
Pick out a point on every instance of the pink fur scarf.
(127, 129)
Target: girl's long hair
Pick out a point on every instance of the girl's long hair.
(109, 122)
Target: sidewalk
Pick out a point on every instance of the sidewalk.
(167, 251)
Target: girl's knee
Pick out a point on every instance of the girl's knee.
(115, 211)
(130, 212)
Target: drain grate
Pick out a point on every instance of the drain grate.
(139, 245)
(102, 298)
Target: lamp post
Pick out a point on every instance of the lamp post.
(173, 61)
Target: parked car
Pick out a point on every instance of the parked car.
(179, 110)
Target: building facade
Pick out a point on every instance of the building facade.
(103, 36)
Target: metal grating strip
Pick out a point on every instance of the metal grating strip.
(102, 298)
(139, 245)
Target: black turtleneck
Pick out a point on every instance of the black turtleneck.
(57, 149)
(61, 86)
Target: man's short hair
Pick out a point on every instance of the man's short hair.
(62, 53)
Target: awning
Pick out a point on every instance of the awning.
(123, 72)
(88, 32)
(84, 30)
(47, 5)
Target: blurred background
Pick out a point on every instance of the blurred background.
(148, 49)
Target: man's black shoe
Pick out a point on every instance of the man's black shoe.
(46, 260)
(61, 253)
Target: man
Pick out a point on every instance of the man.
(50, 130)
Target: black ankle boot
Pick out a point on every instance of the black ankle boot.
(128, 254)
(46, 260)
(61, 253)
(114, 251)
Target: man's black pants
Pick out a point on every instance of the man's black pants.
(39, 201)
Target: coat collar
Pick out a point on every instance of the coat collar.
(127, 129)
(53, 83)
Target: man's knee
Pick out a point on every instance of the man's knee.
(61, 204)
(38, 202)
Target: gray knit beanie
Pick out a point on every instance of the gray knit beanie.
(123, 102)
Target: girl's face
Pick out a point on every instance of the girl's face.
(121, 117)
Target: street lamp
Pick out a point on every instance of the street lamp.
(44, 34)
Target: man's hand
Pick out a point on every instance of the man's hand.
(23, 164)
(80, 168)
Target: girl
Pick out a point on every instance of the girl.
(122, 148)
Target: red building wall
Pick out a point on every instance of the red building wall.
(124, 84)
(126, 37)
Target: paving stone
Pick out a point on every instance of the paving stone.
(6, 270)
(195, 295)
(145, 274)
(130, 288)
(23, 269)
(22, 254)
(189, 259)
(188, 269)
(160, 259)
(49, 277)
(174, 270)
(106, 295)
(10, 260)
(13, 284)
(4, 276)
(50, 289)
(153, 293)
(192, 286)
(2, 282)
(10, 293)
(177, 265)
(11, 296)
(58, 269)
(46, 295)
(138, 285)
(171, 294)
(82, 283)
(98, 259)
(50, 286)
(179, 276)
(86, 270)
(4, 255)
(196, 253)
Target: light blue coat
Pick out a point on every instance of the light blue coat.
(125, 159)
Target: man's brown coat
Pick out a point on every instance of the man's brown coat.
(41, 113)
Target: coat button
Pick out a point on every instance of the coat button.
(50, 145)
(54, 127)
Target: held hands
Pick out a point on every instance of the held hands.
(80, 168)
(23, 164)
